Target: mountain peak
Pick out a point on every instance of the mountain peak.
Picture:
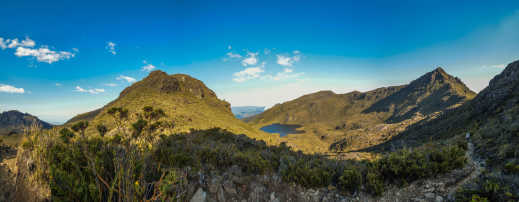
(177, 83)
(440, 70)
(157, 73)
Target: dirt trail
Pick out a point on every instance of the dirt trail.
(476, 163)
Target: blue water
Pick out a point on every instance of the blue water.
(282, 129)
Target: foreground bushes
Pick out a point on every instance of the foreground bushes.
(489, 187)
(143, 165)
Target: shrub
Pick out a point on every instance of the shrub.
(350, 180)
(374, 182)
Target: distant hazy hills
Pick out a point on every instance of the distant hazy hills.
(188, 103)
(15, 122)
(246, 111)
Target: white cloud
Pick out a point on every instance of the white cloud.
(251, 59)
(91, 91)
(43, 54)
(148, 67)
(111, 84)
(249, 73)
(13, 43)
(126, 78)
(232, 55)
(11, 89)
(3, 44)
(59, 84)
(229, 47)
(110, 47)
(296, 52)
(27, 42)
(287, 61)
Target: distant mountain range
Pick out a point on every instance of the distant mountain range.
(246, 111)
(371, 117)
(14, 122)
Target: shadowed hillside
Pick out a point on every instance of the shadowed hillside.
(14, 122)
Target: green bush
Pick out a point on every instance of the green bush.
(350, 180)
(374, 182)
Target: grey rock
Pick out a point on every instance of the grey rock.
(200, 196)
(429, 195)
(229, 187)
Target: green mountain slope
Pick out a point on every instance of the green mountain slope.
(187, 102)
(365, 119)
(432, 92)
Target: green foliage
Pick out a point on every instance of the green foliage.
(512, 167)
(105, 168)
(101, 129)
(350, 180)
(66, 134)
(80, 126)
(405, 165)
(138, 126)
(374, 182)
(488, 188)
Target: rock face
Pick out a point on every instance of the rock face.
(15, 121)
(501, 88)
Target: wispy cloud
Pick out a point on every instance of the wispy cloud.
(249, 73)
(251, 59)
(43, 54)
(126, 78)
(11, 89)
(91, 91)
(147, 66)
(24, 48)
(500, 66)
(288, 61)
(59, 84)
(110, 47)
(111, 84)
(232, 55)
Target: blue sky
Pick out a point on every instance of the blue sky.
(61, 58)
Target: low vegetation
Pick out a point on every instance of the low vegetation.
(137, 162)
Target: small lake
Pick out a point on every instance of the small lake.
(282, 129)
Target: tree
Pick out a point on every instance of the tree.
(101, 129)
